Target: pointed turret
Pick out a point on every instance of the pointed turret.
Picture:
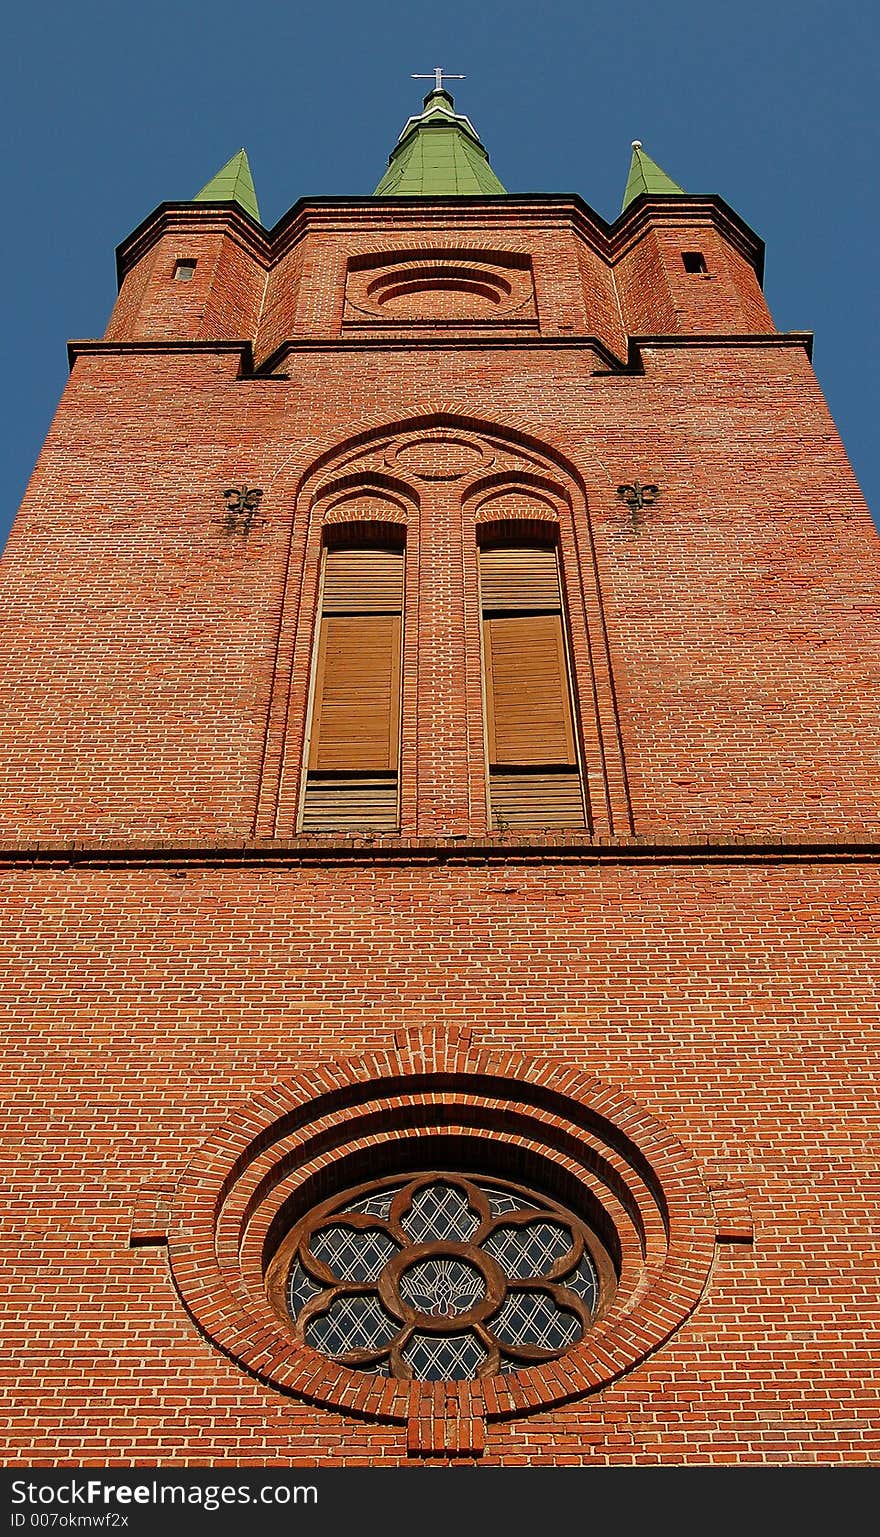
(439, 154)
(233, 183)
(646, 176)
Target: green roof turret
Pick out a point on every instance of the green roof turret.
(233, 183)
(646, 176)
(439, 154)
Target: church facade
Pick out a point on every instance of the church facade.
(440, 788)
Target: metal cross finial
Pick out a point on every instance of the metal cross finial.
(438, 77)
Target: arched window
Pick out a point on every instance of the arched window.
(531, 743)
(353, 744)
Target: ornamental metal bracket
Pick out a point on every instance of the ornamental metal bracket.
(637, 497)
(242, 503)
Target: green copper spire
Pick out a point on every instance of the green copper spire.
(439, 154)
(646, 176)
(232, 184)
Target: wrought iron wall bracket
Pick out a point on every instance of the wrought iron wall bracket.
(242, 504)
(638, 496)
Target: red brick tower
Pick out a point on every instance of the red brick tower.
(440, 795)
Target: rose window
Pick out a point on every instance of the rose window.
(440, 1277)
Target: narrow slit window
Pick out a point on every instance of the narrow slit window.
(184, 270)
(694, 261)
(354, 741)
(534, 771)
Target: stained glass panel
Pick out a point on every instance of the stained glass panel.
(378, 1205)
(442, 1287)
(502, 1202)
(440, 1214)
(533, 1318)
(584, 1281)
(300, 1288)
(528, 1251)
(351, 1323)
(353, 1256)
(444, 1357)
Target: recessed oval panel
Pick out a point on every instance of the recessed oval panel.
(440, 458)
(440, 287)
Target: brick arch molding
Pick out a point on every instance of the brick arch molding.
(529, 1118)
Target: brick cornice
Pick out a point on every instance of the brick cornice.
(647, 211)
(205, 218)
(732, 340)
(82, 347)
(330, 849)
(524, 210)
(444, 344)
(85, 347)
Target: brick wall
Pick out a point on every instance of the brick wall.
(143, 639)
(735, 1001)
(172, 950)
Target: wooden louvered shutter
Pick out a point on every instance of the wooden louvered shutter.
(529, 716)
(534, 778)
(519, 577)
(354, 742)
(355, 716)
(364, 579)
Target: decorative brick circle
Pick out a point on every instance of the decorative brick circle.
(588, 1145)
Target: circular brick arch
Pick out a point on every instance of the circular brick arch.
(584, 1143)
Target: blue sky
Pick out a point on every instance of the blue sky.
(111, 108)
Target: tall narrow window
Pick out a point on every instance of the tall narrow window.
(354, 741)
(534, 775)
